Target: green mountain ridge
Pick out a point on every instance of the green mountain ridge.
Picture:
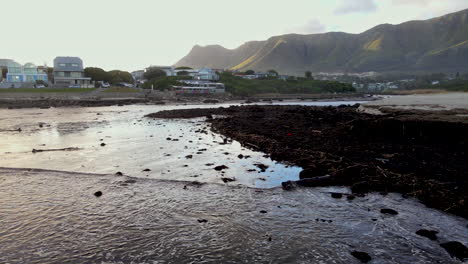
(438, 44)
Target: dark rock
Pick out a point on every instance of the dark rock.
(311, 172)
(98, 194)
(146, 170)
(168, 139)
(337, 195)
(220, 168)
(202, 221)
(226, 180)
(130, 181)
(432, 235)
(189, 156)
(240, 156)
(261, 166)
(315, 182)
(211, 101)
(263, 212)
(360, 187)
(456, 249)
(287, 186)
(103, 144)
(389, 211)
(119, 173)
(362, 256)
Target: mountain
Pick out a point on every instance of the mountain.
(435, 45)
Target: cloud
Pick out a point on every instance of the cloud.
(313, 26)
(355, 6)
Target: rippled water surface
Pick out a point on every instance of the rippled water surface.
(48, 216)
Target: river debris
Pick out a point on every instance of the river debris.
(48, 150)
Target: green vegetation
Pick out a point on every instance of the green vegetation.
(457, 85)
(162, 83)
(183, 68)
(113, 77)
(154, 73)
(47, 90)
(239, 86)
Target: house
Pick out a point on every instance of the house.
(29, 73)
(69, 72)
(206, 74)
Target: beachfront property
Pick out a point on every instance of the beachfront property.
(69, 72)
(29, 73)
(199, 87)
(206, 74)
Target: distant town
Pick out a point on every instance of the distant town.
(69, 72)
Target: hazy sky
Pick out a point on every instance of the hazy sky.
(132, 34)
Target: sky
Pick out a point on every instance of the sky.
(133, 34)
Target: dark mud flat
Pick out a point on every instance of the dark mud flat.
(338, 146)
(47, 103)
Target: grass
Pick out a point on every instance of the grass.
(47, 90)
(121, 90)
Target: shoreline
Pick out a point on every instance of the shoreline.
(408, 152)
(17, 101)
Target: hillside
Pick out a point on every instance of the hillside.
(438, 44)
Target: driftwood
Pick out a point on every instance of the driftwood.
(47, 150)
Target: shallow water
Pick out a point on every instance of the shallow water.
(52, 217)
(152, 217)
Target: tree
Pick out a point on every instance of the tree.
(249, 72)
(3, 71)
(117, 76)
(273, 72)
(184, 68)
(154, 73)
(97, 74)
(308, 75)
(183, 73)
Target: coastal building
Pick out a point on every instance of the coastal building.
(206, 74)
(29, 73)
(69, 72)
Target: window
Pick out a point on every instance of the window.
(76, 74)
(74, 65)
(62, 64)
